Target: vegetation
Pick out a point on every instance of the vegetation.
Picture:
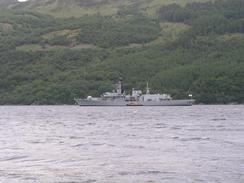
(196, 48)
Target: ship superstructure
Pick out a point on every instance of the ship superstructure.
(148, 99)
(137, 98)
(114, 98)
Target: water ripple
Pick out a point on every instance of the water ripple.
(64, 144)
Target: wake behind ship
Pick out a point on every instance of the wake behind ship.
(137, 98)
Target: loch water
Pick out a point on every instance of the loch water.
(55, 144)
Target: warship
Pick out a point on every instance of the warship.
(137, 98)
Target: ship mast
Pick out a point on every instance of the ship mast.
(148, 89)
(119, 87)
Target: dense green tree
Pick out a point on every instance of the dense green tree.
(45, 60)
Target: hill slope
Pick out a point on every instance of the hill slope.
(77, 8)
(197, 48)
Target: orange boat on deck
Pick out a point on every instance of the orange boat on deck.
(134, 103)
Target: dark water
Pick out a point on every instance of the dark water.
(122, 144)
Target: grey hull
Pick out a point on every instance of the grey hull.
(84, 102)
(168, 103)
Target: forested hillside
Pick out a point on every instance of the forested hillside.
(182, 48)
